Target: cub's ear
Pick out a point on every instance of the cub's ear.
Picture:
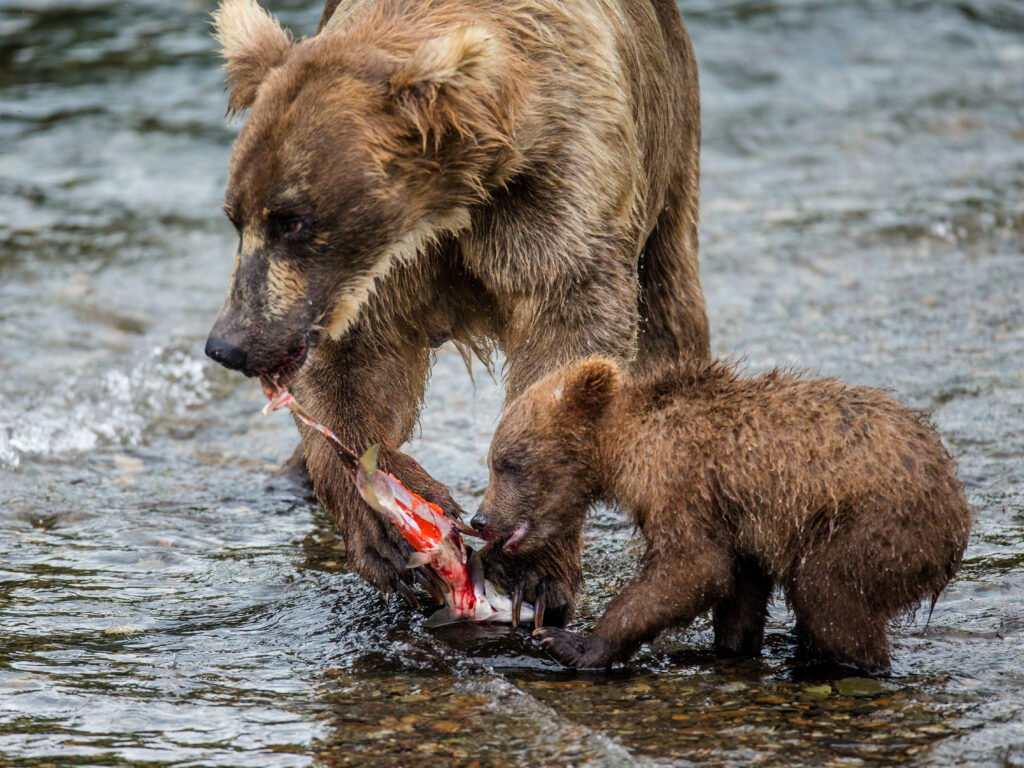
(465, 83)
(252, 42)
(588, 386)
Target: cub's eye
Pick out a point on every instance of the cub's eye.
(293, 226)
(507, 466)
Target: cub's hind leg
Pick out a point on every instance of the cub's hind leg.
(739, 617)
(835, 619)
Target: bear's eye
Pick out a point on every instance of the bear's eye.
(290, 226)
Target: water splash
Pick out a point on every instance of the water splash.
(113, 408)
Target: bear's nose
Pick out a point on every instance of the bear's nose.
(224, 352)
(479, 521)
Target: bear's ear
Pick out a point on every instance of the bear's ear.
(463, 83)
(588, 386)
(252, 42)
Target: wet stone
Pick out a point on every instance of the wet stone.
(818, 691)
(860, 686)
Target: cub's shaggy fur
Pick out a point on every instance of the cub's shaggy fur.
(838, 494)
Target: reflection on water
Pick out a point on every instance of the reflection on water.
(863, 214)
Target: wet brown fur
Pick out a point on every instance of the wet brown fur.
(838, 494)
(516, 174)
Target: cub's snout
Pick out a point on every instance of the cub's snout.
(479, 521)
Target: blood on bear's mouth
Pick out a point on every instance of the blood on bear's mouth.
(487, 533)
(288, 367)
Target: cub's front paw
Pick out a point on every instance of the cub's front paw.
(573, 650)
(549, 582)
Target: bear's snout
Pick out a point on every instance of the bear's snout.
(256, 351)
(226, 352)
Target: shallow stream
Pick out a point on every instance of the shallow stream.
(863, 216)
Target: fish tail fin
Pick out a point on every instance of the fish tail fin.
(446, 615)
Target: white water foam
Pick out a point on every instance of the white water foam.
(112, 408)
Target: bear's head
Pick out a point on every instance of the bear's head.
(361, 147)
(541, 460)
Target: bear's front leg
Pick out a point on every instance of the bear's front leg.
(596, 315)
(367, 393)
(374, 547)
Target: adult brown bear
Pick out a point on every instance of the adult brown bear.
(520, 175)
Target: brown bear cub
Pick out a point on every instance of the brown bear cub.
(838, 494)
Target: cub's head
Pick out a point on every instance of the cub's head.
(361, 147)
(542, 477)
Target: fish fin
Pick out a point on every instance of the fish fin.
(446, 615)
(492, 589)
(369, 459)
(417, 559)
(372, 484)
(476, 572)
(365, 488)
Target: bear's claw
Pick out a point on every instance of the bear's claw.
(406, 592)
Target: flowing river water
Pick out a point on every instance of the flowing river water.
(863, 216)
